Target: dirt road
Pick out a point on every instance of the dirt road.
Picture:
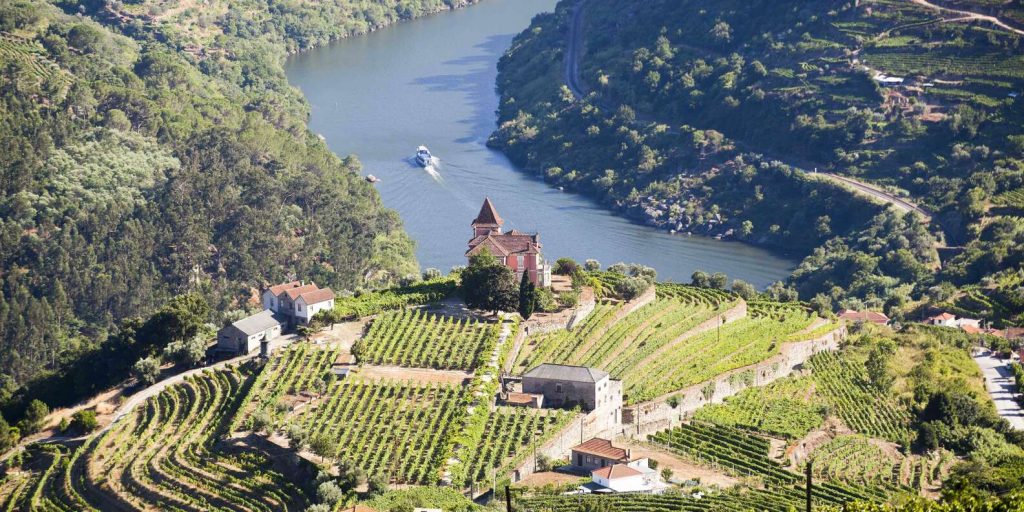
(968, 16)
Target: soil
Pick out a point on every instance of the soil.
(422, 375)
(549, 478)
(681, 469)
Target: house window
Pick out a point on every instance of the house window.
(558, 388)
(520, 261)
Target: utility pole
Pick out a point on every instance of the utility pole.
(809, 484)
(508, 499)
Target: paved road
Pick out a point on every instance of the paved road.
(968, 15)
(572, 57)
(1000, 386)
(878, 193)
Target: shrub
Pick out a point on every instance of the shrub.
(84, 421)
(631, 287)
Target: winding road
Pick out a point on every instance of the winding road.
(1001, 387)
(968, 16)
(574, 50)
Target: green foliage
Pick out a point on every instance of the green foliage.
(147, 370)
(84, 421)
(417, 339)
(489, 285)
(35, 417)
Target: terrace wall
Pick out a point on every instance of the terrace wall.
(597, 423)
(656, 415)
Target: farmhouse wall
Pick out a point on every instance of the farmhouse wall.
(597, 423)
(657, 415)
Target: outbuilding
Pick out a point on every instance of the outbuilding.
(245, 335)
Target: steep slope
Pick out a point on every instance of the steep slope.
(699, 118)
(154, 148)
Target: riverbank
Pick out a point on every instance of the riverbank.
(432, 83)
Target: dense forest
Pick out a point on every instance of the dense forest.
(718, 118)
(153, 149)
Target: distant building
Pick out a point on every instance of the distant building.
(518, 251)
(864, 316)
(943, 319)
(568, 386)
(636, 476)
(297, 301)
(245, 335)
(595, 454)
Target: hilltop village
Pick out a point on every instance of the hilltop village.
(513, 375)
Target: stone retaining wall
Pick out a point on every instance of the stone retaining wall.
(656, 415)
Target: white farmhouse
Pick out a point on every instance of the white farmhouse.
(297, 301)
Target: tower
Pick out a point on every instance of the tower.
(487, 222)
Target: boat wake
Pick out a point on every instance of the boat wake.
(433, 169)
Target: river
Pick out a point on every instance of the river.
(431, 82)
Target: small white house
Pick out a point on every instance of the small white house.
(943, 319)
(635, 476)
(310, 303)
(245, 335)
(297, 301)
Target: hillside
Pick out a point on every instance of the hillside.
(716, 120)
(885, 417)
(155, 148)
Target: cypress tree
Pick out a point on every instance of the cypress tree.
(527, 296)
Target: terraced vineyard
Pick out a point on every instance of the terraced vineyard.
(417, 339)
(167, 454)
(509, 437)
(33, 58)
(291, 371)
(372, 303)
(389, 428)
(733, 345)
(859, 460)
(726, 448)
(562, 346)
(784, 499)
(844, 385)
(658, 349)
(786, 407)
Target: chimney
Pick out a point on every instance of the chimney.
(629, 454)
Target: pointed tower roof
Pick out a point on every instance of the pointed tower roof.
(488, 215)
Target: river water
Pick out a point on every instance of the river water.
(431, 82)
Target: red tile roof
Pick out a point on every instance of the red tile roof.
(278, 288)
(317, 296)
(942, 316)
(970, 329)
(505, 244)
(864, 316)
(488, 215)
(616, 471)
(602, 448)
(293, 293)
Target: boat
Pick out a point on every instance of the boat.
(372, 179)
(423, 156)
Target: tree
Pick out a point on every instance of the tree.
(323, 445)
(376, 485)
(566, 267)
(489, 285)
(666, 474)
(746, 229)
(631, 287)
(700, 278)
(877, 365)
(187, 352)
(431, 273)
(35, 417)
(329, 493)
(84, 421)
(297, 436)
(591, 265)
(8, 435)
(147, 370)
(527, 297)
(744, 289)
(718, 280)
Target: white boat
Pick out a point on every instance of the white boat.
(423, 156)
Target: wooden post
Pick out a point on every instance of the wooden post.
(809, 484)
(508, 499)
